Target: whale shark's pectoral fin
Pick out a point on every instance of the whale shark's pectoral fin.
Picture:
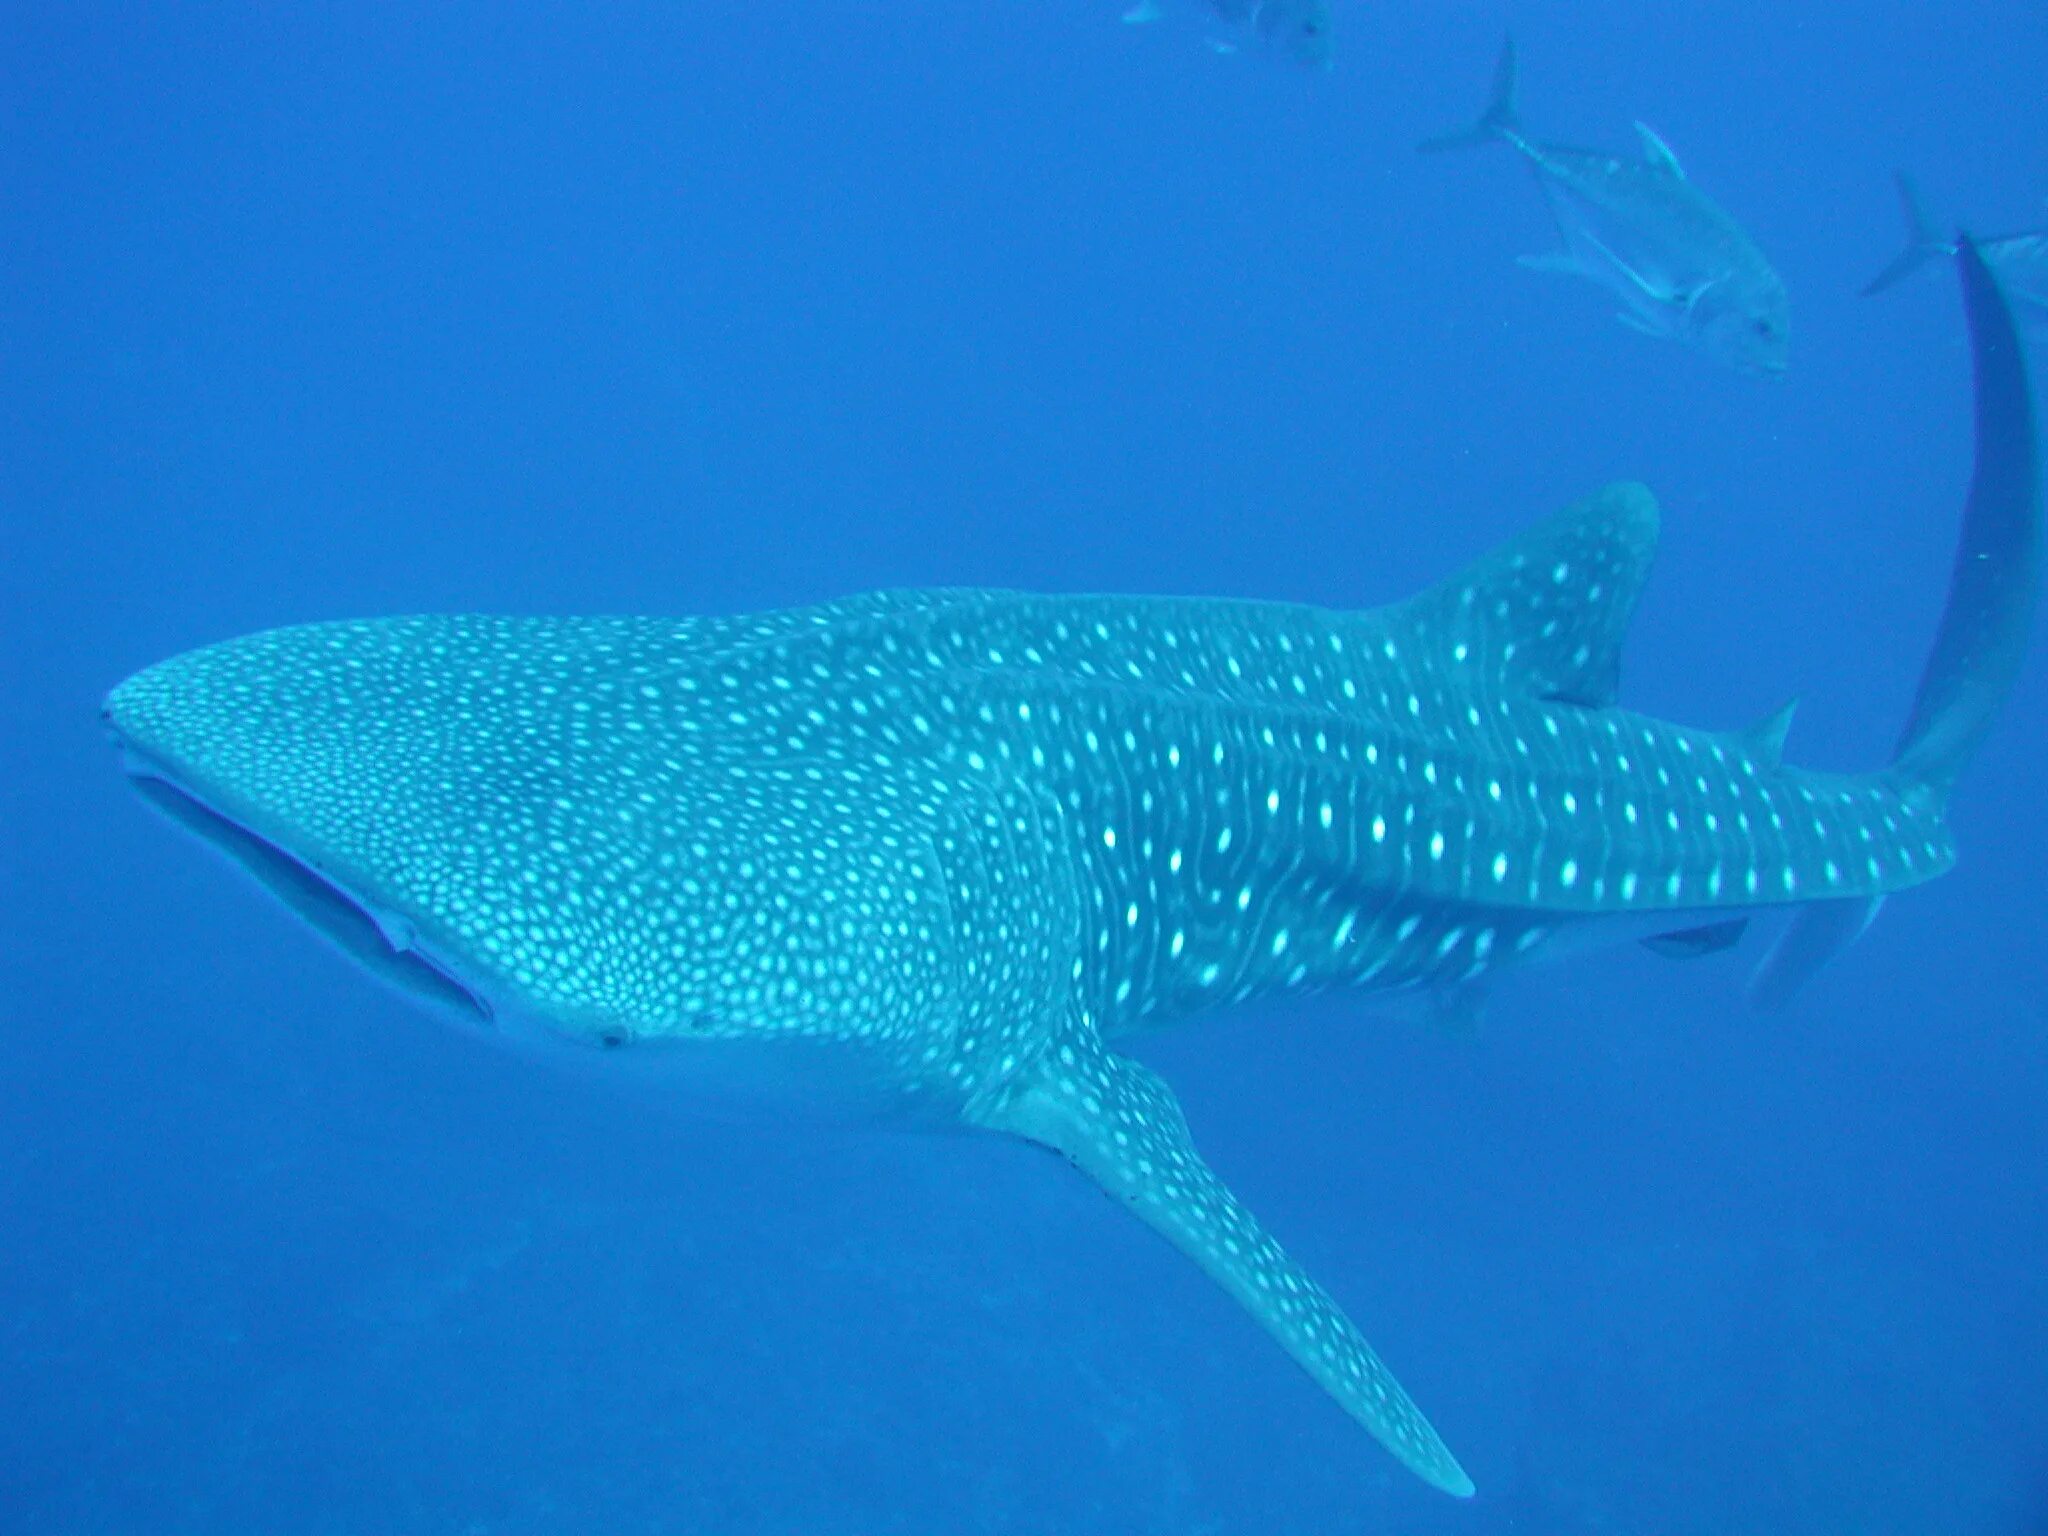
(1120, 1125)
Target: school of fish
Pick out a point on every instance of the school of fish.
(1678, 265)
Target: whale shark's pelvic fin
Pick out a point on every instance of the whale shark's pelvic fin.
(1691, 943)
(1120, 1125)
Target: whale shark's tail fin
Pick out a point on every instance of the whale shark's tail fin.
(1984, 627)
(1923, 242)
(1997, 576)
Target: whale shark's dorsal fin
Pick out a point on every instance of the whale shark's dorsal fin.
(1546, 612)
(1765, 741)
(1120, 1125)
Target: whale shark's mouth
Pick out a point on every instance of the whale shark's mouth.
(382, 944)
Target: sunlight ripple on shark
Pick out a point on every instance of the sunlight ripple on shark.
(934, 854)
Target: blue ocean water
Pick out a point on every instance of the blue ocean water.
(318, 312)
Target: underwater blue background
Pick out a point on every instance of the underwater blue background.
(322, 311)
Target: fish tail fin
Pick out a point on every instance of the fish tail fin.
(1502, 119)
(1923, 242)
(1982, 636)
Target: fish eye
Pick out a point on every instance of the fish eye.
(1765, 328)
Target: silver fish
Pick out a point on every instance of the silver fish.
(1682, 268)
(2020, 261)
(1302, 28)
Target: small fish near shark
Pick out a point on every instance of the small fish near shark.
(2019, 261)
(935, 855)
(1682, 268)
(1303, 29)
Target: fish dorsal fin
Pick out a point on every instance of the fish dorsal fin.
(1765, 741)
(1657, 152)
(1545, 613)
(1120, 1125)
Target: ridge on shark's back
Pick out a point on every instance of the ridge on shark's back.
(959, 843)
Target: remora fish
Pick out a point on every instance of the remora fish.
(937, 853)
(1682, 268)
(2020, 262)
(1304, 28)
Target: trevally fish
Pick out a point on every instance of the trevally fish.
(935, 856)
(2020, 261)
(1302, 28)
(1682, 268)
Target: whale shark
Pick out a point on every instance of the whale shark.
(935, 856)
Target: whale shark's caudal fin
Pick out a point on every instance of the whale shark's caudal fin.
(1121, 1125)
(1997, 577)
(1984, 627)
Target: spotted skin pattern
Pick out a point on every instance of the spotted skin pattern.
(961, 842)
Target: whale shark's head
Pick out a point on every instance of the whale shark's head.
(282, 751)
(546, 825)
(292, 729)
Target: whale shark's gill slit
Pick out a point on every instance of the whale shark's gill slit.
(359, 932)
